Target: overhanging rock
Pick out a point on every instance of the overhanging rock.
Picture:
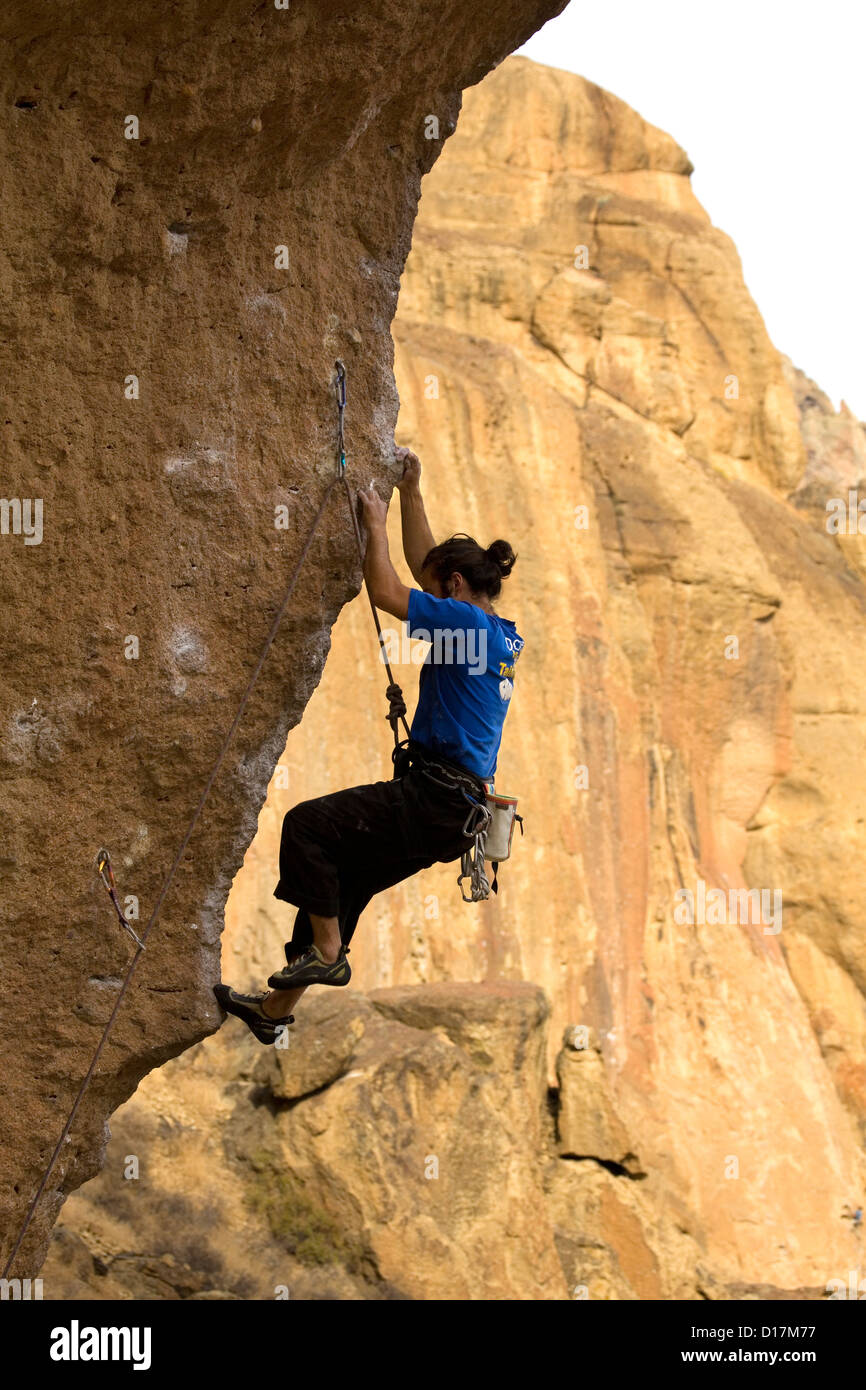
(204, 206)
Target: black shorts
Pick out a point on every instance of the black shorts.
(338, 851)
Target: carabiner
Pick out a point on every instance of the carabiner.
(340, 389)
(340, 384)
(478, 819)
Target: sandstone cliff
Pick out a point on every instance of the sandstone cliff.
(204, 205)
(705, 1142)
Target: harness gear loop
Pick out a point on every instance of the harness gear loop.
(106, 873)
(472, 860)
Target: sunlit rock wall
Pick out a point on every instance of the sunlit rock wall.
(574, 333)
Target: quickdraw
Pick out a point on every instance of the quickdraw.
(340, 390)
(106, 873)
(493, 834)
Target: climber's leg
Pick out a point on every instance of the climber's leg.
(311, 846)
(358, 884)
(330, 836)
(365, 883)
(326, 936)
(338, 851)
(282, 1001)
(268, 1028)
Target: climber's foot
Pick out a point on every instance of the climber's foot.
(248, 1008)
(311, 968)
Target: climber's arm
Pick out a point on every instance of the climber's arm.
(383, 582)
(418, 539)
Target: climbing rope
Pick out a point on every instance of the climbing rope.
(103, 862)
(397, 705)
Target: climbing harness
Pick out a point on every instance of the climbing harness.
(490, 820)
(104, 869)
(441, 771)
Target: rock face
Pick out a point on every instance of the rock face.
(395, 1149)
(424, 1167)
(204, 206)
(583, 371)
(401, 1146)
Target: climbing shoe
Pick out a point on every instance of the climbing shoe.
(248, 1008)
(310, 968)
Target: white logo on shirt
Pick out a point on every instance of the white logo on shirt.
(505, 689)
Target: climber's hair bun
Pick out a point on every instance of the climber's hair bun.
(501, 554)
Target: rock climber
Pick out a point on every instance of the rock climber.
(337, 851)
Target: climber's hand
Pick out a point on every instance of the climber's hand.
(374, 509)
(411, 468)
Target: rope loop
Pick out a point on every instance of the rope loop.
(397, 705)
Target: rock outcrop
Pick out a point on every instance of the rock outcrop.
(394, 1149)
(402, 1146)
(424, 1167)
(204, 206)
(582, 370)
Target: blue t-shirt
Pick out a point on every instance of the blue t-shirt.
(466, 681)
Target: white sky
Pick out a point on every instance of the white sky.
(768, 98)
